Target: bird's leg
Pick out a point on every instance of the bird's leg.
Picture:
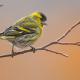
(33, 49)
(12, 52)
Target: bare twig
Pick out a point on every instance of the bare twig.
(30, 50)
(44, 48)
(56, 52)
(61, 43)
(68, 31)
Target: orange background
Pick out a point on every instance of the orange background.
(62, 15)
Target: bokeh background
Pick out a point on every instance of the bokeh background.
(62, 15)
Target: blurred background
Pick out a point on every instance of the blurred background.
(61, 15)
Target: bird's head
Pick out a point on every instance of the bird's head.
(39, 16)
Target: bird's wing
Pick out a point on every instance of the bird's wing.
(22, 27)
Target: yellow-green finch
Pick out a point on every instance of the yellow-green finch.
(25, 31)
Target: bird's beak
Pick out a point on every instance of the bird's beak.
(44, 23)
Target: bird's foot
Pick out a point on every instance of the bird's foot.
(12, 53)
(33, 49)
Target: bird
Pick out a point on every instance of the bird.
(25, 31)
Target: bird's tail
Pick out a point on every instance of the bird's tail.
(2, 36)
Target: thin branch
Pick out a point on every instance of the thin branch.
(30, 50)
(77, 43)
(61, 43)
(44, 48)
(68, 31)
(56, 52)
(50, 44)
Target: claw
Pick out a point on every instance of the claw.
(33, 49)
(12, 53)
